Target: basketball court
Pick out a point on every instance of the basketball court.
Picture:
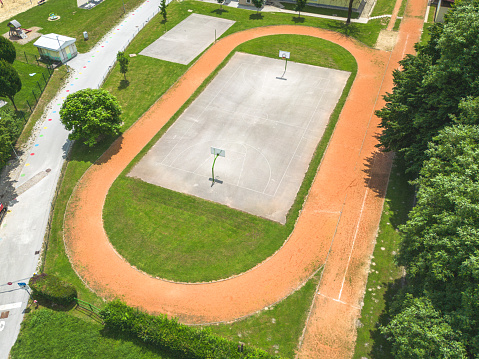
(268, 126)
(183, 43)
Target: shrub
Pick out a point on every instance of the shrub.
(7, 50)
(170, 335)
(52, 289)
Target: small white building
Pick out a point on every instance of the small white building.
(56, 47)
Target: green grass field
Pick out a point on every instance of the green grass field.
(384, 277)
(184, 238)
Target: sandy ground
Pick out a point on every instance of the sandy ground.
(10, 8)
(337, 226)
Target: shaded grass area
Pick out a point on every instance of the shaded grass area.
(184, 238)
(50, 334)
(73, 20)
(385, 278)
(56, 81)
(277, 329)
(320, 10)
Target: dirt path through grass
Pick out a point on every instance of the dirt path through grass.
(344, 204)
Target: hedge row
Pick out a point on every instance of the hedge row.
(52, 289)
(179, 339)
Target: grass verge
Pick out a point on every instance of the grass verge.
(56, 81)
(384, 278)
(184, 238)
(52, 334)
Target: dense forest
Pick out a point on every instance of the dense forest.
(431, 122)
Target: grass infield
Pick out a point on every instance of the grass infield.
(184, 238)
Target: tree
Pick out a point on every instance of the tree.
(163, 9)
(419, 331)
(123, 61)
(90, 114)
(440, 241)
(300, 4)
(7, 50)
(258, 4)
(221, 3)
(10, 82)
(350, 12)
(10, 128)
(431, 85)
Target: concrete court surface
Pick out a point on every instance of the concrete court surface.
(268, 127)
(188, 39)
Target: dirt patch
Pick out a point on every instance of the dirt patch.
(10, 8)
(386, 40)
(31, 35)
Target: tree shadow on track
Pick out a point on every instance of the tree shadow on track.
(111, 151)
(377, 171)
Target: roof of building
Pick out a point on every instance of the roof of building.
(54, 42)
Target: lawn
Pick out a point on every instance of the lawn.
(56, 335)
(383, 7)
(73, 20)
(384, 277)
(320, 10)
(184, 238)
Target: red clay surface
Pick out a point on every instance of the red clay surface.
(341, 213)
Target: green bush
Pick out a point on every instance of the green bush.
(181, 340)
(52, 289)
(10, 128)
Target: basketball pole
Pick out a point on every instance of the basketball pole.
(285, 64)
(213, 169)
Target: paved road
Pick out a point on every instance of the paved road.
(23, 229)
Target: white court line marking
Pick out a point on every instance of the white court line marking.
(354, 241)
(10, 306)
(339, 301)
(2, 325)
(199, 116)
(299, 142)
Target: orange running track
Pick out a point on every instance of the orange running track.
(341, 213)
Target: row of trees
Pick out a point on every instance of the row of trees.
(10, 84)
(431, 121)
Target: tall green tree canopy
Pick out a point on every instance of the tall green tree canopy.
(419, 331)
(123, 62)
(10, 82)
(10, 128)
(91, 114)
(431, 85)
(7, 50)
(300, 4)
(258, 4)
(440, 244)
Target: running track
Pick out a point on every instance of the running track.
(337, 225)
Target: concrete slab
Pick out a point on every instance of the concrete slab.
(269, 128)
(188, 39)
